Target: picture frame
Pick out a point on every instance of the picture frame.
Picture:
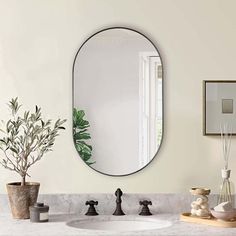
(219, 106)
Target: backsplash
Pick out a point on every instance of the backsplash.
(75, 203)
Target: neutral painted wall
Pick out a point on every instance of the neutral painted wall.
(38, 41)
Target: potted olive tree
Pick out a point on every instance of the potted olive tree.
(24, 139)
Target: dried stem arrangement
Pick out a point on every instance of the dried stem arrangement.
(226, 135)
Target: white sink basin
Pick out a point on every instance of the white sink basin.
(120, 224)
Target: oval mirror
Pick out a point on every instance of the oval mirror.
(117, 101)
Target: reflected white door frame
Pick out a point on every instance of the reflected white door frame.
(150, 80)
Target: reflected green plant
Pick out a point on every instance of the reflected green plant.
(80, 135)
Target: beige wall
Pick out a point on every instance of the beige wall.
(197, 41)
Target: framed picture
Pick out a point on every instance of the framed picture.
(219, 106)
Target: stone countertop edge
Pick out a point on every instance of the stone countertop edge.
(57, 227)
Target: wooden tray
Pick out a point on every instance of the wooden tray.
(207, 221)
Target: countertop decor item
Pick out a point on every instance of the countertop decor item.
(187, 217)
(200, 206)
(200, 191)
(201, 214)
(39, 212)
(224, 215)
(226, 185)
(24, 139)
(224, 206)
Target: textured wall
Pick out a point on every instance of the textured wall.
(38, 42)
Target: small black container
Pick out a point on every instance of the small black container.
(39, 212)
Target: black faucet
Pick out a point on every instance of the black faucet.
(118, 211)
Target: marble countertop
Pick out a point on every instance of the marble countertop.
(57, 226)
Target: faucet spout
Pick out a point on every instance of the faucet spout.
(118, 211)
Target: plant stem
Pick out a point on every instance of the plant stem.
(23, 181)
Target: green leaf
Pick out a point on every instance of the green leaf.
(80, 133)
(14, 150)
(90, 163)
(85, 156)
(82, 144)
(81, 136)
(2, 141)
(14, 106)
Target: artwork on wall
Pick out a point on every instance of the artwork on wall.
(219, 101)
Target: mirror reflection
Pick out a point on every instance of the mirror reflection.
(118, 101)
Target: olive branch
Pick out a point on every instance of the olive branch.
(25, 139)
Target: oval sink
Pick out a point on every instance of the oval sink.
(119, 225)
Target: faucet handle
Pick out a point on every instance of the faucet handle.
(145, 203)
(91, 211)
(145, 210)
(91, 202)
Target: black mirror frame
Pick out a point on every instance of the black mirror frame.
(163, 112)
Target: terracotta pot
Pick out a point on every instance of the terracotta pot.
(21, 198)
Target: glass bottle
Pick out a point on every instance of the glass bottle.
(226, 189)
